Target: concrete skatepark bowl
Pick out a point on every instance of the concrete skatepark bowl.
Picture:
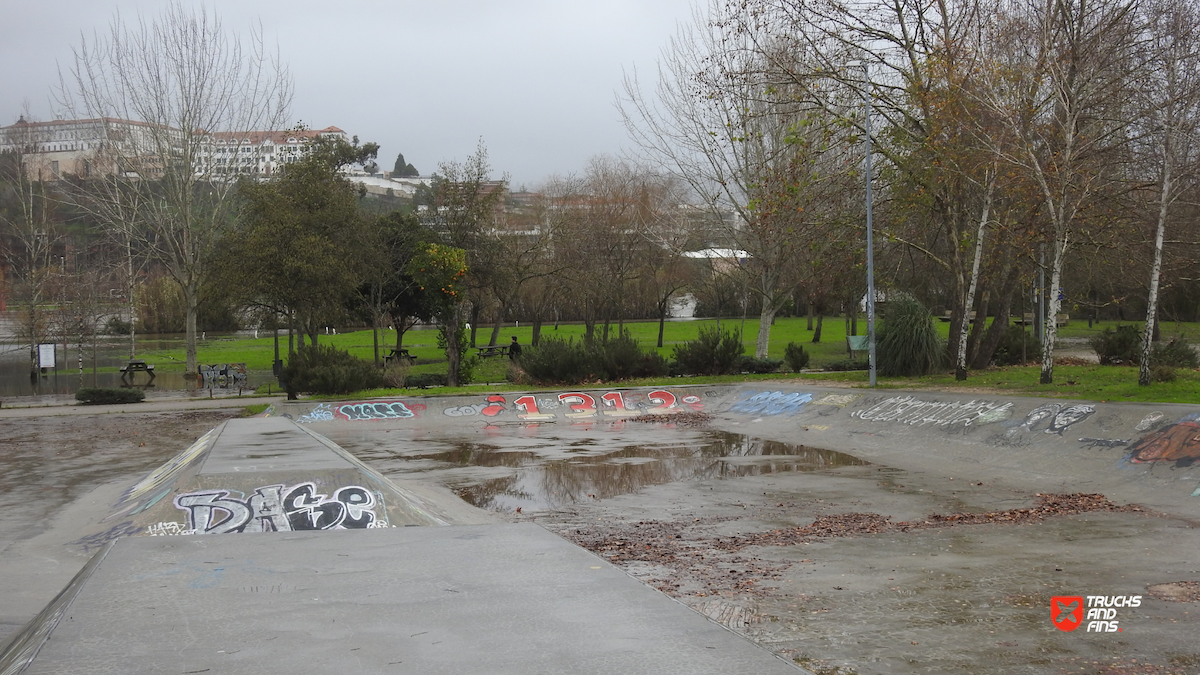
(843, 530)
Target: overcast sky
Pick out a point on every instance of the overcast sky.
(536, 79)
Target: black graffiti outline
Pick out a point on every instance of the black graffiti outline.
(274, 508)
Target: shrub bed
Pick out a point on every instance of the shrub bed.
(102, 396)
(324, 369)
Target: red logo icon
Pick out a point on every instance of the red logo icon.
(1066, 611)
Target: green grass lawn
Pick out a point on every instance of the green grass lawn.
(1102, 383)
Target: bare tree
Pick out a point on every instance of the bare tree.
(31, 232)
(1170, 93)
(727, 117)
(165, 85)
(1062, 73)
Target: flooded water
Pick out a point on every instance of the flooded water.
(97, 368)
(546, 473)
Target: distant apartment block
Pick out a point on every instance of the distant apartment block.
(104, 146)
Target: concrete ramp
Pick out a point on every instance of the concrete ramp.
(264, 475)
(501, 598)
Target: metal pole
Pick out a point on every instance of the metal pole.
(870, 235)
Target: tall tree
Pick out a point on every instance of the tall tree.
(30, 234)
(726, 118)
(303, 245)
(1063, 75)
(1170, 95)
(179, 77)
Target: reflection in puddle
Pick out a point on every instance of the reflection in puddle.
(599, 472)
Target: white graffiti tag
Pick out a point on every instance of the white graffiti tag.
(771, 403)
(274, 508)
(382, 410)
(168, 529)
(915, 412)
(321, 413)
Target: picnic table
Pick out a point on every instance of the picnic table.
(495, 350)
(137, 366)
(397, 354)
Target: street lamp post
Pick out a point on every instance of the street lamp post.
(870, 230)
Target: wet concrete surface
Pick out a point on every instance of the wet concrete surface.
(60, 476)
(669, 503)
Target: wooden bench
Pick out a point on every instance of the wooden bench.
(497, 350)
(397, 354)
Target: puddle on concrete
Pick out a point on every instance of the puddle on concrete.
(587, 471)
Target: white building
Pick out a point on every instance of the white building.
(51, 150)
(102, 146)
(256, 153)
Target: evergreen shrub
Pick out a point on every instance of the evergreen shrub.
(1177, 353)
(102, 396)
(848, 364)
(622, 358)
(425, 380)
(324, 369)
(750, 364)
(908, 343)
(1009, 350)
(557, 361)
(795, 357)
(713, 352)
(1116, 347)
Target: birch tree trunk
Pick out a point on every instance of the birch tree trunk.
(960, 370)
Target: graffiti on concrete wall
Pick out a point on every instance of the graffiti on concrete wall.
(278, 508)
(575, 405)
(1149, 421)
(362, 410)
(1058, 418)
(1178, 443)
(98, 540)
(375, 410)
(916, 412)
(1104, 443)
(222, 375)
(771, 403)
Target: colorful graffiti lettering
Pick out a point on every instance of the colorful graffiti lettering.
(276, 508)
(222, 375)
(771, 403)
(1178, 443)
(577, 405)
(839, 400)
(915, 412)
